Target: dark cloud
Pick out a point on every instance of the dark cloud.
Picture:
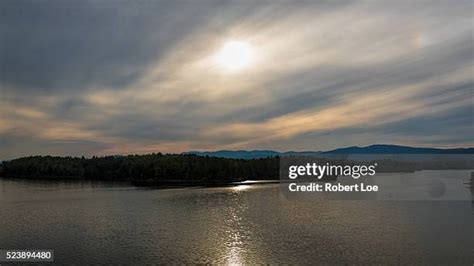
(459, 119)
(13, 146)
(52, 45)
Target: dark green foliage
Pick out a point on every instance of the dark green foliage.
(188, 169)
(150, 168)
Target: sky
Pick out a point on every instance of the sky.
(131, 77)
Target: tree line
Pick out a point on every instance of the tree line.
(151, 168)
(159, 168)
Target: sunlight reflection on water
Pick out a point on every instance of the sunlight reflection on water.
(241, 187)
(235, 229)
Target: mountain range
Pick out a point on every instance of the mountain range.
(372, 149)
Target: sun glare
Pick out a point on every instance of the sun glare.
(235, 55)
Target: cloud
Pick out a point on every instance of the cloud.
(73, 45)
(109, 77)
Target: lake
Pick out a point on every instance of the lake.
(89, 222)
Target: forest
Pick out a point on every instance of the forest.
(143, 169)
(184, 169)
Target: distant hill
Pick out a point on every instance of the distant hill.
(397, 149)
(372, 149)
(240, 154)
(254, 154)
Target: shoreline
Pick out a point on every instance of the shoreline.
(152, 184)
(168, 184)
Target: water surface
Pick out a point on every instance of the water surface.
(89, 222)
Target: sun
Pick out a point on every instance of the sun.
(235, 55)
